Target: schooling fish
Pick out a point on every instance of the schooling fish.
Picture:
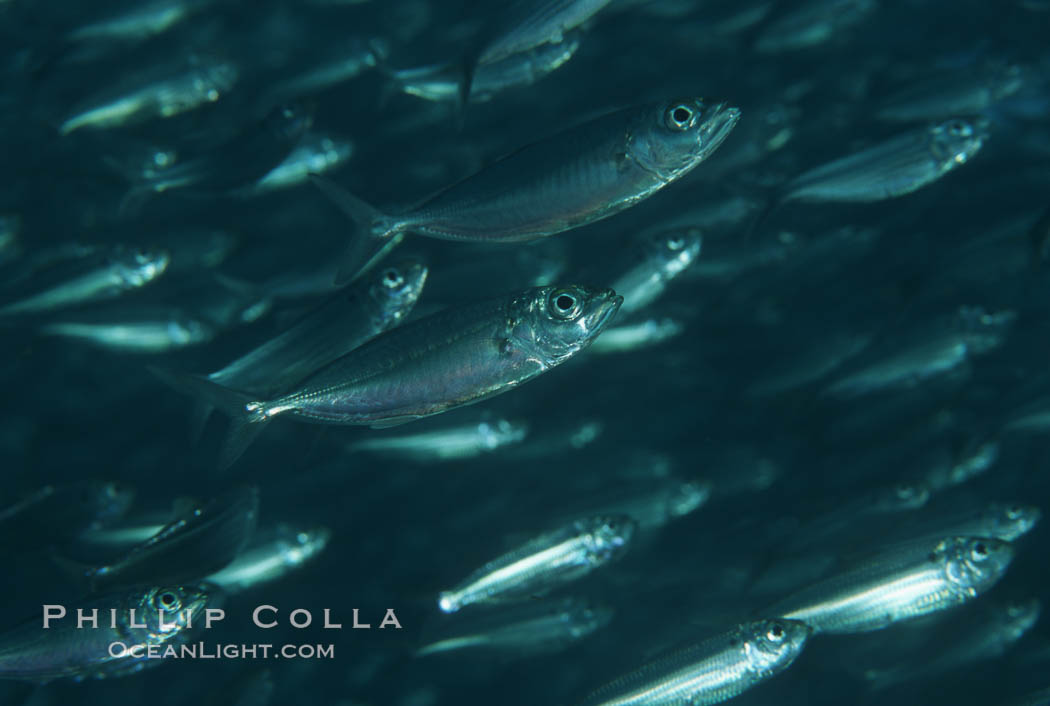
(163, 616)
(455, 357)
(579, 176)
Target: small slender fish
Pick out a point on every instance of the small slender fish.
(902, 583)
(809, 24)
(539, 627)
(449, 359)
(1008, 522)
(56, 513)
(658, 258)
(652, 502)
(544, 563)
(960, 92)
(334, 64)
(314, 154)
(577, 177)
(712, 671)
(450, 443)
(164, 617)
(144, 333)
(897, 167)
(627, 338)
(140, 21)
(281, 551)
(982, 635)
(345, 321)
(103, 273)
(176, 89)
(522, 26)
(204, 537)
(442, 82)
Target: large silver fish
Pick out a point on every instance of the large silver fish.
(713, 671)
(452, 358)
(579, 176)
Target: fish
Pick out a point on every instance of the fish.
(540, 627)
(545, 562)
(161, 92)
(981, 635)
(201, 538)
(133, 332)
(809, 24)
(315, 153)
(280, 551)
(442, 82)
(522, 26)
(896, 167)
(972, 91)
(712, 671)
(582, 175)
(659, 258)
(902, 583)
(452, 358)
(100, 273)
(459, 442)
(342, 323)
(164, 617)
(630, 337)
(57, 513)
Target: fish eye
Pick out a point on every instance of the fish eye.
(775, 632)
(392, 278)
(675, 242)
(1014, 512)
(564, 304)
(168, 600)
(679, 117)
(957, 128)
(979, 552)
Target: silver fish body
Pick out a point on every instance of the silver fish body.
(713, 671)
(662, 256)
(31, 653)
(452, 443)
(899, 166)
(582, 175)
(342, 323)
(903, 583)
(148, 333)
(450, 359)
(268, 559)
(525, 25)
(533, 628)
(100, 275)
(543, 563)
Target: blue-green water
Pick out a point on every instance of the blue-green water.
(826, 354)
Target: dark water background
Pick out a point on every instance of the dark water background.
(403, 531)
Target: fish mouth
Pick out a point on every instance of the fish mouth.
(604, 312)
(718, 123)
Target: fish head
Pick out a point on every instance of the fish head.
(1013, 521)
(499, 432)
(902, 496)
(138, 266)
(673, 250)
(585, 616)
(107, 501)
(1019, 617)
(668, 140)
(975, 564)
(168, 610)
(955, 142)
(557, 322)
(688, 497)
(607, 537)
(309, 543)
(394, 291)
(772, 645)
